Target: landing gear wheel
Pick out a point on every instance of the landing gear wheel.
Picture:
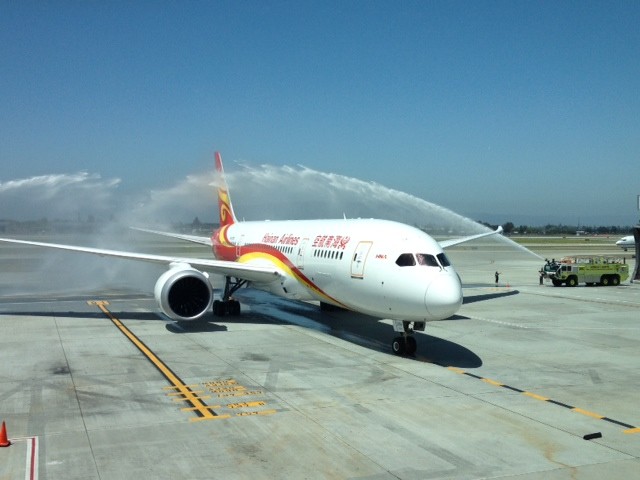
(410, 345)
(219, 308)
(233, 308)
(398, 346)
(228, 305)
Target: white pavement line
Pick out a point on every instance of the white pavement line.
(31, 463)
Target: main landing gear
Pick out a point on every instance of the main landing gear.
(228, 305)
(406, 343)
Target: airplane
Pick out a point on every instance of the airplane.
(380, 268)
(626, 242)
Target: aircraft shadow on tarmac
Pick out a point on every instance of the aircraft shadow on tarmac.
(359, 329)
(488, 296)
(82, 314)
(197, 327)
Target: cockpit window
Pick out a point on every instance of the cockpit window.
(444, 261)
(427, 259)
(406, 260)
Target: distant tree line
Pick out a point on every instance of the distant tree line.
(90, 225)
(511, 229)
(44, 225)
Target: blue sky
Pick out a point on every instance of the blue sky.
(502, 111)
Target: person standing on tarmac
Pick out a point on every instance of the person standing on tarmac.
(497, 277)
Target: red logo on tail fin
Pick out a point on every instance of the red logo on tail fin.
(227, 216)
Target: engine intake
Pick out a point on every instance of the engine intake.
(184, 293)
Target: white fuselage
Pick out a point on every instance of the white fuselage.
(377, 267)
(626, 242)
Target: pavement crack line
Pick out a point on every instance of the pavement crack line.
(75, 390)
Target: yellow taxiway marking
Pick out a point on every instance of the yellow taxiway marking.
(492, 382)
(193, 409)
(240, 394)
(630, 429)
(175, 394)
(202, 409)
(227, 389)
(457, 370)
(588, 413)
(221, 383)
(185, 399)
(536, 396)
(262, 412)
(246, 404)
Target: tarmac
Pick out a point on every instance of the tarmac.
(527, 381)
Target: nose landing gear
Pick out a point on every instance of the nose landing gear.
(406, 343)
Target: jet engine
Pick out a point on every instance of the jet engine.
(184, 293)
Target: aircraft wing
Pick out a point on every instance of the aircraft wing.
(253, 273)
(457, 241)
(188, 238)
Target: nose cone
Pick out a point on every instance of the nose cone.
(444, 296)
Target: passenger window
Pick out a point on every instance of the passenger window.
(426, 259)
(406, 260)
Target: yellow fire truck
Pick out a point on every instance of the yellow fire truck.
(583, 269)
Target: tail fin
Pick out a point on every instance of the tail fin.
(227, 217)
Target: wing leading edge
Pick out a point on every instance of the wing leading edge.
(189, 238)
(252, 273)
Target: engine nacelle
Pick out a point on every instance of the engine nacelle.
(184, 293)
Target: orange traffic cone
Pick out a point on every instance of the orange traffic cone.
(4, 441)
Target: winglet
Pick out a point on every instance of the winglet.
(227, 217)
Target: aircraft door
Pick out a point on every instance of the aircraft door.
(300, 258)
(359, 259)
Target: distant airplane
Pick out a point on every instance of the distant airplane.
(377, 267)
(626, 242)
